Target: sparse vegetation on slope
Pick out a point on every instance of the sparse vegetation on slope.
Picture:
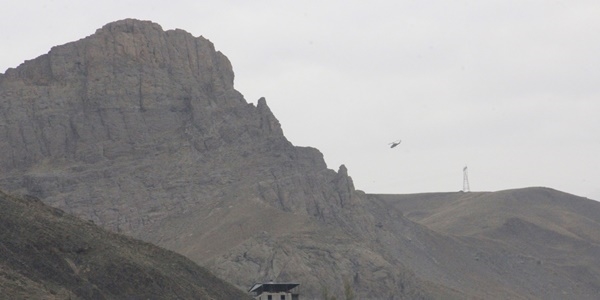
(48, 254)
(543, 242)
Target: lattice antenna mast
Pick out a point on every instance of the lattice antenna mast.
(466, 187)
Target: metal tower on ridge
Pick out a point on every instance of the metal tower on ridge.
(466, 187)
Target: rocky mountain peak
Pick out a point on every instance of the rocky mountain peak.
(132, 47)
(133, 115)
(268, 121)
(131, 84)
(130, 26)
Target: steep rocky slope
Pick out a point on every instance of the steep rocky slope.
(141, 131)
(48, 254)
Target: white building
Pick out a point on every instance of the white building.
(275, 291)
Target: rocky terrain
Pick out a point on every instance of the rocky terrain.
(141, 131)
(48, 254)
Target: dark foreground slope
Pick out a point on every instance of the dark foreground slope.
(48, 254)
(545, 242)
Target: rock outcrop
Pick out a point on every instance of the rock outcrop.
(133, 121)
(141, 131)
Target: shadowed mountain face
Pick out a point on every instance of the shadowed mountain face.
(141, 131)
(48, 254)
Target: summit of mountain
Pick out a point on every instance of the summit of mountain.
(141, 131)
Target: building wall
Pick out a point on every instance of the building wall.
(274, 296)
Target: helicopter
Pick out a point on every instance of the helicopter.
(395, 143)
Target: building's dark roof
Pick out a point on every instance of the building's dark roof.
(272, 287)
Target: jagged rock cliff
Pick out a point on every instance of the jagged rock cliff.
(149, 117)
(141, 131)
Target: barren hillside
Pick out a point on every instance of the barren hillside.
(48, 254)
(547, 240)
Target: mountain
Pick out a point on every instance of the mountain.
(141, 131)
(544, 242)
(48, 254)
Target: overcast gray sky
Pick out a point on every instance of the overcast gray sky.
(510, 89)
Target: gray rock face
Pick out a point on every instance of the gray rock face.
(141, 131)
(119, 119)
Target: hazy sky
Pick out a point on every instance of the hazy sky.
(510, 89)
